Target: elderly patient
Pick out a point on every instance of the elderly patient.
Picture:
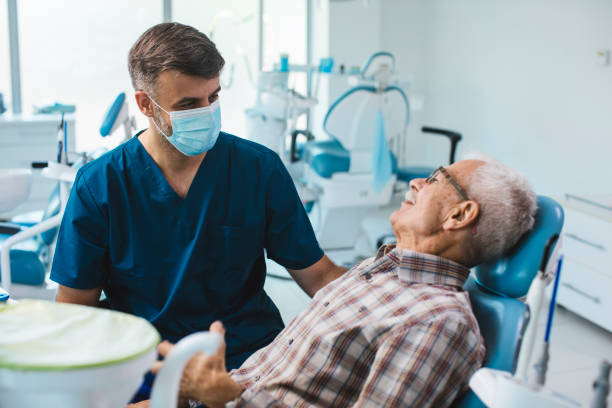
(396, 329)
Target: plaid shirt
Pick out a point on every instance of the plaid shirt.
(395, 330)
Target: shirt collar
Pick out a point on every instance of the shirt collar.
(418, 267)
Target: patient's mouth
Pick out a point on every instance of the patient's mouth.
(409, 198)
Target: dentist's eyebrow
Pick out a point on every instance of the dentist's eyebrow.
(185, 100)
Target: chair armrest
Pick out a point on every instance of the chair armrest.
(453, 137)
(9, 228)
(306, 133)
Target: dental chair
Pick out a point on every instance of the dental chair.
(31, 237)
(495, 287)
(355, 171)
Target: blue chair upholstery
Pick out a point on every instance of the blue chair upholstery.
(327, 157)
(413, 172)
(501, 317)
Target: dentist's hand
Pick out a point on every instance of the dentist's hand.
(205, 378)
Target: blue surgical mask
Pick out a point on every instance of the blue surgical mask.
(194, 131)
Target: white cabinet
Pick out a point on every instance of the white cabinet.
(586, 279)
(28, 138)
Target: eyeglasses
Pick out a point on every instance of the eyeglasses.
(442, 170)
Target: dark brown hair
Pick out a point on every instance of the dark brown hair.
(172, 46)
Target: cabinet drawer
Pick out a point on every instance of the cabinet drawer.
(588, 240)
(586, 291)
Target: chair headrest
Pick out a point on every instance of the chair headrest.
(351, 119)
(115, 115)
(372, 64)
(512, 273)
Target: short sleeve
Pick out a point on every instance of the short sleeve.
(290, 239)
(81, 253)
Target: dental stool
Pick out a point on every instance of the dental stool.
(495, 286)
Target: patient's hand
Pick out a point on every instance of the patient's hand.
(205, 378)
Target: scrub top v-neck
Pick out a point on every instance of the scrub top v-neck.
(184, 263)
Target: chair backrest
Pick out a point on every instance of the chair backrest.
(351, 119)
(501, 317)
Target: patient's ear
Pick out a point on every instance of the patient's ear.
(462, 215)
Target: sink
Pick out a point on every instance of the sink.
(15, 185)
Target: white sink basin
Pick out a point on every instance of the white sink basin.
(15, 185)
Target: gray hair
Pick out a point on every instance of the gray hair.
(507, 207)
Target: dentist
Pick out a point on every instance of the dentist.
(173, 224)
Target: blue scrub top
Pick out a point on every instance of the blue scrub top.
(184, 263)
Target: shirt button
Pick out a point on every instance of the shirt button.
(326, 304)
(290, 341)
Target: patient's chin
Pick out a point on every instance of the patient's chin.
(395, 216)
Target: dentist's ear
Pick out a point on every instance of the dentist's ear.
(144, 103)
(462, 215)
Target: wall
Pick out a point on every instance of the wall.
(520, 79)
(5, 68)
(349, 32)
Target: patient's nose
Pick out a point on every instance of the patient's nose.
(417, 184)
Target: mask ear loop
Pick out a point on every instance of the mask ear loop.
(153, 118)
(157, 104)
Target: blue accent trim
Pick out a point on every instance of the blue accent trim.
(377, 54)
(4, 296)
(111, 115)
(553, 301)
(368, 88)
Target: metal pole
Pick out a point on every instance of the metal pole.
(167, 11)
(260, 35)
(309, 59)
(14, 55)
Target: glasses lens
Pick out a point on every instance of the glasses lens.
(432, 176)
